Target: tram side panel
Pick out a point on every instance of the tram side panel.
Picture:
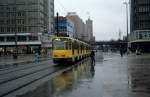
(73, 50)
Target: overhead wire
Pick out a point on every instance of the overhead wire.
(61, 5)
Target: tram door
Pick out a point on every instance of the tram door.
(73, 48)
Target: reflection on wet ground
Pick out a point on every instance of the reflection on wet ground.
(73, 79)
(111, 76)
(62, 84)
(140, 75)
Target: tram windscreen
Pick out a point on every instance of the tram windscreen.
(59, 44)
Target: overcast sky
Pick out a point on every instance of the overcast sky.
(108, 15)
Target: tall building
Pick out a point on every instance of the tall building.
(79, 24)
(89, 31)
(51, 16)
(140, 25)
(64, 26)
(27, 20)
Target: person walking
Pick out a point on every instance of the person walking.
(121, 51)
(36, 57)
(92, 57)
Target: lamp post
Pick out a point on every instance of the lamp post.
(127, 19)
(15, 56)
(57, 23)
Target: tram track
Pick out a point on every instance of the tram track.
(23, 72)
(13, 65)
(28, 76)
(21, 67)
(13, 84)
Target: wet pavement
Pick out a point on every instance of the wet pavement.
(10, 62)
(22, 59)
(139, 70)
(110, 76)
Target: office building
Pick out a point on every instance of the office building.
(64, 26)
(140, 25)
(27, 20)
(89, 29)
(78, 23)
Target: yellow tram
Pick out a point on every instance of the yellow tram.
(66, 49)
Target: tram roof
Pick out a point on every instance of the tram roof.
(73, 39)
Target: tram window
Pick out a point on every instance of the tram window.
(69, 44)
(59, 44)
(66, 45)
(75, 45)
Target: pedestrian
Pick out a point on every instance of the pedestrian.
(121, 51)
(36, 57)
(92, 56)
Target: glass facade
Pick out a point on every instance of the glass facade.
(140, 15)
(140, 25)
(26, 16)
(65, 25)
(140, 20)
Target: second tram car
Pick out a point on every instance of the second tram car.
(66, 49)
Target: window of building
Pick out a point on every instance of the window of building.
(2, 29)
(140, 36)
(136, 35)
(8, 29)
(10, 38)
(22, 38)
(20, 21)
(2, 14)
(2, 39)
(149, 35)
(13, 21)
(19, 29)
(145, 35)
(8, 21)
(2, 21)
(24, 29)
(13, 29)
(33, 38)
(21, 13)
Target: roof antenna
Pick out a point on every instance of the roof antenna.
(88, 13)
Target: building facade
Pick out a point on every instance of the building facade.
(89, 31)
(140, 25)
(51, 17)
(79, 24)
(26, 20)
(64, 26)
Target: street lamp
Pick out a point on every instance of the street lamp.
(57, 23)
(127, 19)
(15, 56)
